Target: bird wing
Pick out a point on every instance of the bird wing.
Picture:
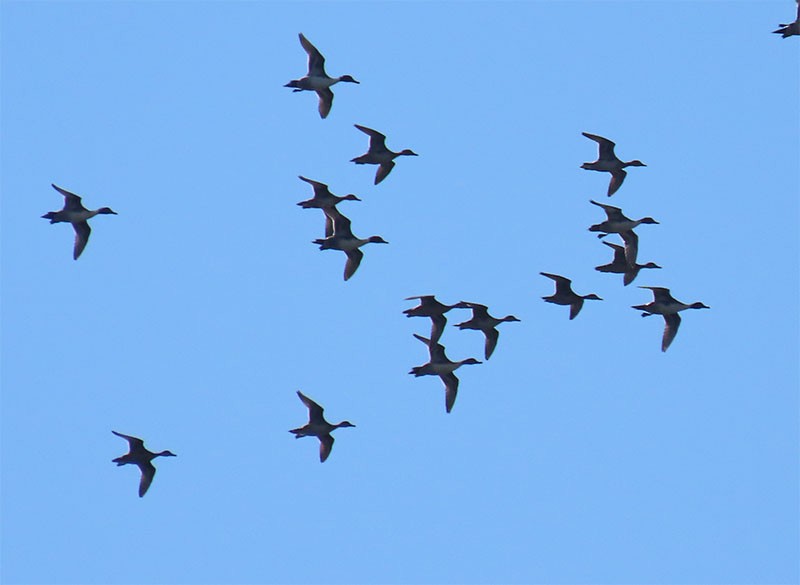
(616, 181)
(563, 285)
(606, 147)
(72, 202)
(631, 246)
(354, 258)
(341, 223)
(575, 308)
(82, 232)
(438, 323)
(325, 446)
(450, 390)
(492, 335)
(660, 294)
(134, 442)
(316, 62)
(383, 171)
(148, 473)
(318, 187)
(314, 410)
(325, 102)
(377, 141)
(672, 322)
(613, 213)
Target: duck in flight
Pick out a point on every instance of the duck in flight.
(142, 458)
(324, 199)
(607, 161)
(792, 28)
(75, 213)
(378, 154)
(316, 79)
(483, 321)
(440, 365)
(564, 295)
(318, 427)
(430, 307)
(618, 223)
(665, 305)
(344, 240)
(620, 265)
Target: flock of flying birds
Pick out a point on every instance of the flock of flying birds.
(339, 236)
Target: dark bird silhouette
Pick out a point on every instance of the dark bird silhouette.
(665, 305)
(75, 213)
(565, 296)
(378, 154)
(483, 321)
(318, 427)
(142, 458)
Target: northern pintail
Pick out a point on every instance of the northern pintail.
(316, 79)
(564, 295)
(664, 304)
(318, 427)
(141, 457)
(430, 307)
(344, 240)
(324, 199)
(378, 154)
(440, 365)
(607, 161)
(75, 213)
(617, 223)
(483, 321)
(620, 265)
(792, 28)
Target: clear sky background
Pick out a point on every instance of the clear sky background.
(580, 453)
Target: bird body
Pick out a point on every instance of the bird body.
(318, 427)
(76, 214)
(430, 307)
(138, 455)
(666, 305)
(564, 295)
(608, 162)
(482, 321)
(316, 79)
(378, 154)
(620, 265)
(440, 365)
(343, 239)
(618, 223)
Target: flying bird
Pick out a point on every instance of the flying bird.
(483, 321)
(75, 213)
(318, 427)
(324, 199)
(618, 223)
(430, 307)
(608, 162)
(792, 28)
(440, 365)
(665, 305)
(619, 265)
(344, 240)
(378, 154)
(564, 295)
(316, 79)
(142, 458)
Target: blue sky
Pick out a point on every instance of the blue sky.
(578, 454)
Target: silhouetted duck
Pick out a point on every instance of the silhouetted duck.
(440, 366)
(324, 199)
(565, 296)
(318, 427)
(607, 161)
(664, 304)
(790, 29)
(617, 223)
(141, 457)
(316, 79)
(620, 265)
(483, 321)
(430, 307)
(378, 154)
(344, 240)
(75, 213)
